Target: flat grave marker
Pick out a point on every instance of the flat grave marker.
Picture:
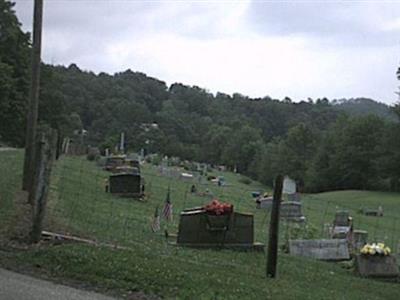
(325, 249)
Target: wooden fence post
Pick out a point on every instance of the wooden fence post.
(45, 151)
(274, 228)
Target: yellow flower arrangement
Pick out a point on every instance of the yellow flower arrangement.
(375, 249)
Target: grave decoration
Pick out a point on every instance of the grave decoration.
(126, 185)
(375, 249)
(375, 260)
(217, 225)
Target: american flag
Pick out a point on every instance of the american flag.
(155, 225)
(167, 210)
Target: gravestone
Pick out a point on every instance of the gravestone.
(126, 184)
(264, 203)
(373, 212)
(326, 249)
(197, 228)
(134, 163)
(289, 186)
(377, 266)
(295, 197)
(291, 211)
(114, 161)
(359, 239)
(342, 225)
(126, 169)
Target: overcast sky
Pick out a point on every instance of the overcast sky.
(300, 49)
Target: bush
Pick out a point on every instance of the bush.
(245, 180)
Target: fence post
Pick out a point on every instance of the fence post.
(274, 228)
(45, 150)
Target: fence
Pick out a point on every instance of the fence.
(79, 206)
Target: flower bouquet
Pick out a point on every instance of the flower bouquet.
(218, 208)
(374, 249)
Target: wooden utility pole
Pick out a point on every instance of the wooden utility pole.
(274, 228)
(31, 127)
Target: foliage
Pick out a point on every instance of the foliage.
(14, 61)
(323, 145)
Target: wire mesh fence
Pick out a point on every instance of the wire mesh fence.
(79, 205)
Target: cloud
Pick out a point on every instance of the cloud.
(296, 49)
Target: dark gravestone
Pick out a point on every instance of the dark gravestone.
(126, 184)
(332, 249)
(291, 211)
(377, 266)
(198, 228)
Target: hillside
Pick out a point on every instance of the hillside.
(364, 106)
(79, 206)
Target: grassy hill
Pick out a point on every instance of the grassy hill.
(79, 206)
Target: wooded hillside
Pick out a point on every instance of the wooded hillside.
(323, 144)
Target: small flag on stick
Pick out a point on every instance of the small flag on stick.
(155, 225)
(167, 210)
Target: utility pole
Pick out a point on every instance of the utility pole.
(274, 228)
(32, 120)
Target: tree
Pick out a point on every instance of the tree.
(14, 61)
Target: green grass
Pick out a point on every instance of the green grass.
(10, 181)
(79, 206)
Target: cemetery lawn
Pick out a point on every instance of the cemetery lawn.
(79, 206)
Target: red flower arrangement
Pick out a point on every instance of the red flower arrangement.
(218, 208)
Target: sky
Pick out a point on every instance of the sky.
(299, 49)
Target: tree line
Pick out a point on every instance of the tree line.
(324, 145)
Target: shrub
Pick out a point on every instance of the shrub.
(244, 180)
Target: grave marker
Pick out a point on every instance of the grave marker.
(377, 266)
(326, 249)
(359, 239)
(291, 211)
(126, 184)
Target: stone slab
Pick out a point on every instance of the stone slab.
(377, 266)
(264, 203)
(291, 210)
(325, 249)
